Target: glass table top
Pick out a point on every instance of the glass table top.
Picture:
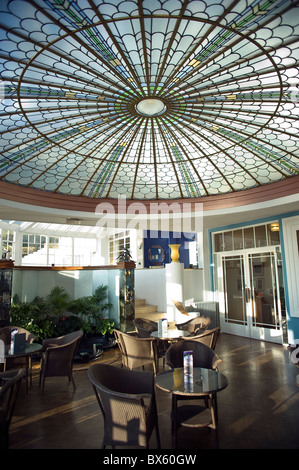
(204, 381)
(171, 334)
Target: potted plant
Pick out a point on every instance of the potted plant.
(33, 316)
(91, 309)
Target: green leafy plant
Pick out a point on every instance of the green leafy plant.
(57, 315)
(58, 301)
(33, 317)
(91, 311)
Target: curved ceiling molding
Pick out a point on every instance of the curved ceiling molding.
(148, 99)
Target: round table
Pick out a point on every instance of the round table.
(205, 383)
(171, 334)
(30, 348)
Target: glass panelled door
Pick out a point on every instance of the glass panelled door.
(250, 295)
(232, 302)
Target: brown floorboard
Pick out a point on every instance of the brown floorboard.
(258, 410)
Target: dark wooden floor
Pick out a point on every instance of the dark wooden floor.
(258, 410)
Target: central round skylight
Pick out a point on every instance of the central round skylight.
(150, 107)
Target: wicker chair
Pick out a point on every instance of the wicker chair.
(9, 390)
(192, 415)
(195, 326)
(57, 357)
(144, 327)
(127, 401)
(20, 361)
(208, 337)
(5, 334)
(137, 352)
(180, 307)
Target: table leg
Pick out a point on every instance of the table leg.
(213, 409)
(26, 374)
(174, 420)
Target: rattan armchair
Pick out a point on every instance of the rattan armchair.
(5, 334)
(127, 401)
(192, 414)
(208, 337)
(137, 352)
(57, 357)
(144, 327)
(9, 390)
(195, 325)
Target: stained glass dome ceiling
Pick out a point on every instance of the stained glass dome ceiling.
(148, 99)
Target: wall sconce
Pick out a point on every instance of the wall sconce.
(73, 221)
(274, 227)
(139, 243)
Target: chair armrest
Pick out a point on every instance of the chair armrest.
(133, 333)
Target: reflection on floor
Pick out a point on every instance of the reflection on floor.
(259, 409)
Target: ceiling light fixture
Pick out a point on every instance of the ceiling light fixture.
(274, 227)
(73, 221)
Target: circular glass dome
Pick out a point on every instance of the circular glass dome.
(150, 107)
(148, 100)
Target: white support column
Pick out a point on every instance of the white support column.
(174, 288)
(18, 248)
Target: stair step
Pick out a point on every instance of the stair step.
(151, 316)
(146, 308)
(142, 309)
(149, 312)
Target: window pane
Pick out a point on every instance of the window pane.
(248, 237)
(273, 234)
(218, 242)
(228, 241)
(260, 236)
(238, 239)
(84, 252)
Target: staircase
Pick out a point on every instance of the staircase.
(144, 310)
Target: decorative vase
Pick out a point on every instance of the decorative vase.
(174, 253)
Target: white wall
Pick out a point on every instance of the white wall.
(28, 284)
(193, 285)
(150, 284)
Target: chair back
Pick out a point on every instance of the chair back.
(203, 356)
(5, 334)
(195, 324)
(63, 340)
(59, 354)
(127, 401)
(144, 327)
(180, 307)
(136, 352)
(208, 337)
(8, 397)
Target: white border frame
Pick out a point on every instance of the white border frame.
(290, 228)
